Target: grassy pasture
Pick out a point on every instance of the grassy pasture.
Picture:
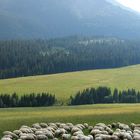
(11, 119)
(66, 84)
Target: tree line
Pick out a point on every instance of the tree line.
(34, 57)
(27, 100)
(98, 95)
(105, 95)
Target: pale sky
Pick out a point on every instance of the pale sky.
(133, 4)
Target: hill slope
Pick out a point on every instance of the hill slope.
(50, 18)
(66, 84)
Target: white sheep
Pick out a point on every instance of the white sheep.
(66, 136)
(75, 129)
(6, 138)
(11, 133)
(42, 137)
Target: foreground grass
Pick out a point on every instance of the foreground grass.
(11, 119)
(66, 84)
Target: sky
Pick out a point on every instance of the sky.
(133, 4)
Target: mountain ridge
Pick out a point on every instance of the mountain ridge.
(52, 19)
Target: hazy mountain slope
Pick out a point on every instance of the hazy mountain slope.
(53, 18)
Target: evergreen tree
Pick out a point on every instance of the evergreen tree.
(116, 96)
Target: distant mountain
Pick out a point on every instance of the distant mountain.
(58, 18)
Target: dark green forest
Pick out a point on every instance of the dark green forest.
(34, 57)
(100, 95)
(27, 100)
(104, 95)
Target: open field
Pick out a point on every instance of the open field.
(66, 84)
(11, 119)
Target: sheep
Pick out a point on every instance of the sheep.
(50, 129)
(137, 125)
(66, 127)
(101, 125)
(49, 135)
(99, 128)
(66, 136)
(43, 125)
(53, 127)
(124, 126)
(52, 124)
(6, 138)
(53, 131)
(78, 133)
(137, 128)
(104, 137)
(81, 126)
(42, 137)
(10, 133)
(86, 125)
(36, 125)
(98, 138)
(27, 137)
(60, 131)
(38, 132)
(132, 125)
(75, 138)
(55, 139)
(114, 125)
(137, 131)
(69, 124)
(130, 132)
(136, 138)
(90, 137)
(85, 138)
(17, 132)
(46, 132)
(90, 128)
(114, 137)
(33, 130)
(26, 130)
(110, 131)
(75, 129)
(127, 136)
(95, 131)
(109, 126)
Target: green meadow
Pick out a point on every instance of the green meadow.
(66, 84)
(11, 119)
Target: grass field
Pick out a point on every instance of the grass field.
(66, 84)
(11, 119)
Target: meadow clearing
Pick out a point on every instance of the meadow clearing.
(66, 84)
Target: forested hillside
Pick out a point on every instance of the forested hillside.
(34, 57)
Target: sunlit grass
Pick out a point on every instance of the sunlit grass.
(11, 119)
(66, 84)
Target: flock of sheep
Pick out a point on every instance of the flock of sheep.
(69, 131)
